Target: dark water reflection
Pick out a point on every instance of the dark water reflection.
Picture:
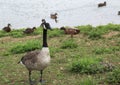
(28, 13)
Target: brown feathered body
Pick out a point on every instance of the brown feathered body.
(71, 31)
(54, 16)
(29, 30)
(7, 29)
(102, 4)
(36, 60)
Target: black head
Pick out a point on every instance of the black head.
(62, 28)
(43, 21)
(9, 24)
(104, 2)
(56, 14)
(34, 28)
(45, 25)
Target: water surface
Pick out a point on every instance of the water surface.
(28, 13)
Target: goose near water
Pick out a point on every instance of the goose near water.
(7, 28)
(29, 30)
(54, 16)
(38, 60)
(118, 12)
(71, 31)
(102, 4)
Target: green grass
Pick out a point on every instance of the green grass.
(103, 50)
(69, 44)
(83, 60)
(55, 33)
(87, 81)
(2, 33)
(90, 65)
(26, 47)
(18, 33)
(98, 31)
(113, 78)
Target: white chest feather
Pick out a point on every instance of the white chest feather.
(44, 58)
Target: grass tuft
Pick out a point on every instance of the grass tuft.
(113, 77)
(98, 31)
(103, 50)
(70, 43)
(87, 81)
(90, 66)
(25, 47)
(55, 33)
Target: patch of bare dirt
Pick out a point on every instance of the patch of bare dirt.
(10, 39)
(110, 34)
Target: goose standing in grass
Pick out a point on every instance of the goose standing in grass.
(7, 28)
(71, 31)
(38, 60)
(29, 30)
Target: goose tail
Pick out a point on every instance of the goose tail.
(20, 62)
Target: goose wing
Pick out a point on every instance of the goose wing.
(30, 57)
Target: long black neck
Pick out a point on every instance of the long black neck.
(45, 38)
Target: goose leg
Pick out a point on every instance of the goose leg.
(41, 79)
(56, 20)
(30, 80)
(41, 72)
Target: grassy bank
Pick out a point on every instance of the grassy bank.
(91, 57)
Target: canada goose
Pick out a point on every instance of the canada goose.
(29, 30)
(38, 60)
(54, 16)
(7, 29)
(102, 4)
(71, 31)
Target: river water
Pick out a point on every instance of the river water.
(28, 13)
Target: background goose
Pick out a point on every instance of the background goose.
(29, 30)
(54, 16)
(38, 60)
(118, 12)
(71, 31)
(7, 29)
(102, 4)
